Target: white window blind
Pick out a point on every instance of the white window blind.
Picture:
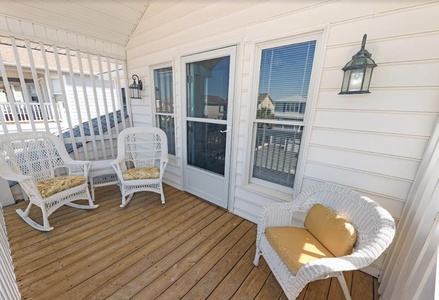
(284, 80)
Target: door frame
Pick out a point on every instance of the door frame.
(231, 51)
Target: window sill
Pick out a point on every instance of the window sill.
(269, 192)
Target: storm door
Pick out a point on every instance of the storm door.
(207, 123)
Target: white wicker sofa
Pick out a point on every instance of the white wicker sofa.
(39, 162)
(374, 226)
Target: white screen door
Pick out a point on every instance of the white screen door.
(208, 122)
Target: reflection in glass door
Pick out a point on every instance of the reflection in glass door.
(208, 123)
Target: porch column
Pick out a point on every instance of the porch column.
(404, 267)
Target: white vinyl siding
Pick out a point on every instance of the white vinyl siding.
(372, 143)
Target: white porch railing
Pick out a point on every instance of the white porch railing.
(24, 114)
(8, 284)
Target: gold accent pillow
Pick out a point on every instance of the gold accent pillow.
(295, 246)
(55, 185)
(142, 173)
(337, 234)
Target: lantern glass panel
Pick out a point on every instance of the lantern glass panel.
(356, 80)
(346, 77)
(367, 78)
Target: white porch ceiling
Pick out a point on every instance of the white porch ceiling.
(108, 20)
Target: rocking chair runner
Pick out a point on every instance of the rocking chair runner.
(294, 260)
(34, 159)
(142, 155)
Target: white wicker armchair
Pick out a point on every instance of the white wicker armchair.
(142, 155)
(34, 159)
(375, 229)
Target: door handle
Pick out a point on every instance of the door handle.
(224, 131)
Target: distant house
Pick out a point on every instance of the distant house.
(292, 108)
(265, 102)
(215, 107)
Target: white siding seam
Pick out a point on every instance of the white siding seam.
(385, 13)
(426, 138)
(194, 25)
(245, 214)
(377, 111)
(357, 189)
(389, 38)
(365, 152)
(390, 64)
(207, 35)
(359, 171)
(386, 88)
(156, 15)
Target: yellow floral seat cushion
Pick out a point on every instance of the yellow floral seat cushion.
(55, 185)
(142, 173)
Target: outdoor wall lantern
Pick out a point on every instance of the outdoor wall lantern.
(136, 87)
(358, 72)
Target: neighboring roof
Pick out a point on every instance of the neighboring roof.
(263, 96)
(216, 100)
(94, 121)
(292, 99)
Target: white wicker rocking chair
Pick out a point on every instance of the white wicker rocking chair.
(375, 229)
(142, 156)
(34, 160)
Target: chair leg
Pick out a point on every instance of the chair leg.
(344, 286)
(25, 216)
(126, 200)
(162, 194)
(257, 257)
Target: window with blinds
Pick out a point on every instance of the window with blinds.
(284, 80)
(164, 104)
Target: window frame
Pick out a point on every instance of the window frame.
(261, 185)
(152, 68)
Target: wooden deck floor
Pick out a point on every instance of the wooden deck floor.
(186, 249)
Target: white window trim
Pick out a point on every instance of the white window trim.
(255, 184)
(170, 64)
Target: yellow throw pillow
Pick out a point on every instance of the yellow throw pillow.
(55, 185)
(142, 173)
(332, 230)
(295, 246)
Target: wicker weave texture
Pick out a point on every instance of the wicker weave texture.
(30, 157)
(374, 225)
(141, 147)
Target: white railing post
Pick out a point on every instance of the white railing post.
(7, 198)
(8, 284)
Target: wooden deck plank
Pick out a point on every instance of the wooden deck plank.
(318, 290)
(270, 290)
(208, 272)
(121, 243)
(151, 259)
(186, 249)
(233, 280)
(335, 291)
(254, 281)
(206, 255)
(101, 240)
(362, 285)
(210, 234)
(112, 277)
